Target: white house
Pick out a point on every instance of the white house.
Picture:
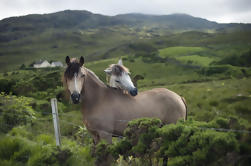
(42, 64)
(57, 64)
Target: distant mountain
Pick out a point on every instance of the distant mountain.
(173, 21)
(17, 27)
(63, 19)
(26, 39)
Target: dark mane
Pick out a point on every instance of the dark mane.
(72, 68)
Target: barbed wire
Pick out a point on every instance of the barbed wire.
(203, 128)
(80, 143)
(70, 123)
(125, 121)
(225, 130)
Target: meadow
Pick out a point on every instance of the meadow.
(196, 65)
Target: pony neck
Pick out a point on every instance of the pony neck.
(94, 88)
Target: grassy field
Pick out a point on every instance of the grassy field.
(219, 95)
(109, 42)
(196, 60)
(179, 51)
(191, 64)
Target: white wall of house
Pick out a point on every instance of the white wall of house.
(56, 64)
(45, 64)
(42, 65)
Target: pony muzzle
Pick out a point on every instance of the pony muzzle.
(75, 97)
(134, 91)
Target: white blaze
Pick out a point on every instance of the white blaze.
(124, 81)
(76, 83)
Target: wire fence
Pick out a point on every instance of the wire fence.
(62, 121)
(78, 125)
(45, 129)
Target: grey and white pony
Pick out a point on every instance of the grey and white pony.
(119, 78)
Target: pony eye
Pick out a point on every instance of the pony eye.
(82, 75)
(117, 81)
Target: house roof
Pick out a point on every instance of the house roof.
(58, 63)
(40, 62)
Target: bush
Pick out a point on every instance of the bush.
(14, 150)
(184, 143)
(225, 70)
(243, 60)
(81, 155)
(41, 150)
(143, 47)
(6, 85)
(15, 111)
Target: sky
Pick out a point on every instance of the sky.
(222, 11)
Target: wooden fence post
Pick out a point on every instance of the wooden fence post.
(56, 121)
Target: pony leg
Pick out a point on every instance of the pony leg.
(96, 139)
(165, 161)
(106, 136)
(95, 136)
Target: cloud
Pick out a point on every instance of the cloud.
(232, 10)
(239, 5)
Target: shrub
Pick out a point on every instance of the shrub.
(184, 143)
(22, 66)
(81, 155)
(6, 85)
(143, 46)
(15, 111)
(43, 155)
(243, 60)
(15, 150)
(42, 106)
(220, 69)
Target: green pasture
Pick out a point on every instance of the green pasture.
(197, 56)
(196, 60)
(172, 52)
(113, 42)
(192, 64)
(207, 100)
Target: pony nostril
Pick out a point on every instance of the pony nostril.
(134, 92)
(75, 97)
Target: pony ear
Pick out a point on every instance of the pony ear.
(120, 62)
(108, 71)
(67, 60)
(81, 61)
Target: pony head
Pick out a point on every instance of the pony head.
(120, 78)
(74, 77)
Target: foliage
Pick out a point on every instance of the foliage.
(243, 60)
(39, 82)
(227, 70)
(184, 143)
(41, 150)
(143, 47)
(15, 111)
(6, 85)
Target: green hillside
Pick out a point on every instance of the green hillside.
(208, 64)
(26, 39)
(212, 92)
